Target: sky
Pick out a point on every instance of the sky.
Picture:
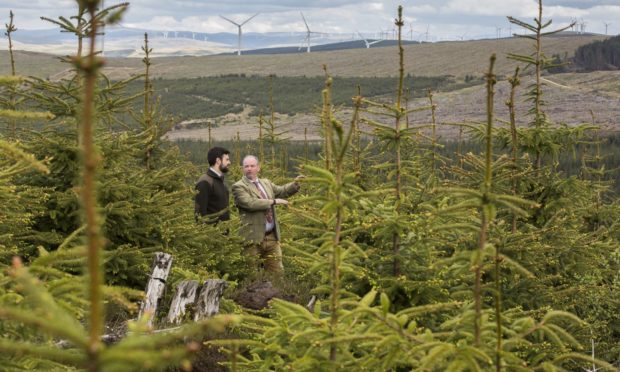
(425, 20)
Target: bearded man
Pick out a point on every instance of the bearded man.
(212, 197)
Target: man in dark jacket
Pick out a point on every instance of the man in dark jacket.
(212, 197)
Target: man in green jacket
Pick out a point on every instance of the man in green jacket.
(256, 200)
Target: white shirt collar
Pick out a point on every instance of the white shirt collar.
(216, 172)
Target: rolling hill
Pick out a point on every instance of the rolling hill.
(457, 58)
(598, 91)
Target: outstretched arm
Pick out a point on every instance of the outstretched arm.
(287, 190)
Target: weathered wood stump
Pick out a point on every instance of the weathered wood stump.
(185, 295)
(311, 303)
(208, 301)
(156, 285)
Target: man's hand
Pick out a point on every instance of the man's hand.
(299, 178)
(280, 201)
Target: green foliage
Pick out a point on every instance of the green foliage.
(35, 308)
(474, 293)
(59, 234)
(540, 141)
(20, 204)
(493, 259)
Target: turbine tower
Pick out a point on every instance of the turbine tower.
(239, 25)
(308, 33)
(368, 44)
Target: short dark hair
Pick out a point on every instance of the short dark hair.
(214, 153)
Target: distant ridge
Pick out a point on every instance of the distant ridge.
(456, 58)
(354, 44)
(127, 42)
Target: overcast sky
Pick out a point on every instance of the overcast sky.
(444, 19)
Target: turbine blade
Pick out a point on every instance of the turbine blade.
(249, 19)
(306, 23)
(233, 22)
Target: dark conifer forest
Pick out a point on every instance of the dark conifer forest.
(599, 55)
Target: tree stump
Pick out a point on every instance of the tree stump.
(156, 285)
(208, 301)
(256, 296)
(185, 294)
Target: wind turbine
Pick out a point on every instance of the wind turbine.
(606, 25)
(368, 44)
(239, 27)
(308, 34)
(581, 26)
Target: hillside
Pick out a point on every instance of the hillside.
(582, 92)
(458, 58)
(355, 44)
(597, 91)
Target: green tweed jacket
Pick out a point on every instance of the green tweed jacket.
(252, 207)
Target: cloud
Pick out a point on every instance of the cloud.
(421, 9)
(562, 12)
(606, 11)
(518, 8)
(579, 4)
(351, 17)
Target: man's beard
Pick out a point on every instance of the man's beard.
(224, 169)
